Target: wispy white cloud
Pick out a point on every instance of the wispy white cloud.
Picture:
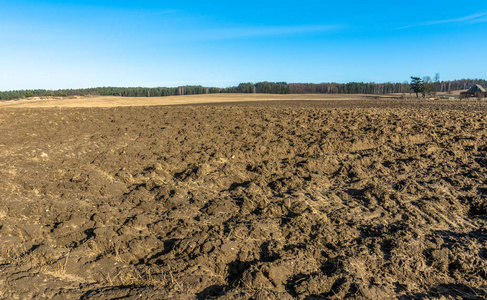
(479, 20)
(474, 18)
(263, 31)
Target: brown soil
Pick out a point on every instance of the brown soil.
(369, 199)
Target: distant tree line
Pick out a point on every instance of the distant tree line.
(349, 88)
(259, 87)
(111, 91)
(319, 88)
(430, 86)
(264, 87)
(462, 84)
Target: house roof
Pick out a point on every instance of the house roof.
(476, 88)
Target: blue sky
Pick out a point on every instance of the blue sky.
(74, 44)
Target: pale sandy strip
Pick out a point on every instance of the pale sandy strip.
(109, 101)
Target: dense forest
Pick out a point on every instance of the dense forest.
(259, 87)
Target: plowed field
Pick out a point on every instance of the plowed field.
(365, 199)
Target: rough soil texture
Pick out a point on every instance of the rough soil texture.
(281, 200)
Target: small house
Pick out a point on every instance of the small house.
(474, 91)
